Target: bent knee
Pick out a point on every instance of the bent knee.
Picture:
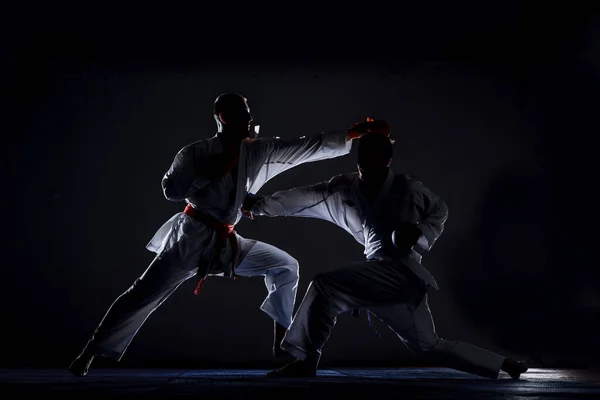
(288, 270)
(292, 267)
(425, 344)
(427, 347)
(321, 281)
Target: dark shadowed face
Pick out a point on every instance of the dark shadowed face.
(374, 157)
(236, 118)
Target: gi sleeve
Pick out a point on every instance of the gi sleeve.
(283, 154)
(313, 201)
(433, 218)
(182, 179)
(424, 208)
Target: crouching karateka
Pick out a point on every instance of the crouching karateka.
(392, 215)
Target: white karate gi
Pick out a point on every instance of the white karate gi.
(389, 284)
(183, 243)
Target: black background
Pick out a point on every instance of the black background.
(493, 107)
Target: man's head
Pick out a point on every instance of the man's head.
(375, 153)
(232, 114)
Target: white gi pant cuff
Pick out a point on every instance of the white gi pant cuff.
(301, 354)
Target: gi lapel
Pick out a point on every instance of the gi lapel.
(367, 212)
(240, 187)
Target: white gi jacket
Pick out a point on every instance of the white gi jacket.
(402, 199)
(259, 161)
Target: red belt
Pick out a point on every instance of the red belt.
(224, 231)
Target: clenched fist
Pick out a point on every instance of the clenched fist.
(405, 237)
(249, 201)
(371, 125)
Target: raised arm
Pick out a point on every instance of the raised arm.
(283, 154)
(279, 155)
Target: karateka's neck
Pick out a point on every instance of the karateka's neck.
(230, 140)
(371, 187)
(373, 181)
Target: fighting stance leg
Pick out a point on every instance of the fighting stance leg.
(329, 294)
(414, 325)
(131, 309)
(280, 271)
(386, 289)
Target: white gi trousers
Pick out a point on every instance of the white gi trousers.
(167, 271)
(398, 298)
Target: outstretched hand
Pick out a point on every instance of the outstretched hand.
(247, 205)
(371, 125)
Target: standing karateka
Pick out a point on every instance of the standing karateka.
(213, 176)
(394, 216)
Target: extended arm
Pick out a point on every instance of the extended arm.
(313, 201)
(283, 154)
(279, 155)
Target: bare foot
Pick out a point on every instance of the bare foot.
(81, 365)
(514, 368)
